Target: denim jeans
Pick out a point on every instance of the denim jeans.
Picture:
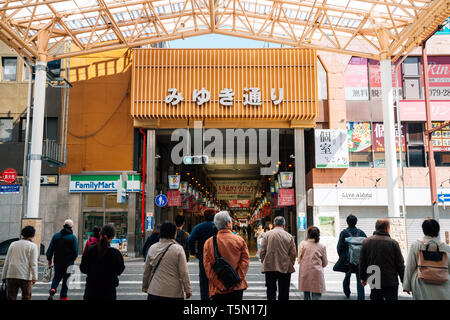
(359, 286)
(61, 274)
(315, 296)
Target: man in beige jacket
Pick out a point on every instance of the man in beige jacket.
(20, 270)
(278, 254)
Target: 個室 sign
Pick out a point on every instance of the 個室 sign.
(331, 148)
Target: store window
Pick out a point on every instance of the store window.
(50, 128)
(6, 129)
(411, 78)
(101, 209)
(9, 68)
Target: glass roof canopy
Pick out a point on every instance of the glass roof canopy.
(366, 28)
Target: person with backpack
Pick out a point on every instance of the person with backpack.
(166, 274)
(92, 240)
(347, 251)
(20, 269)
(226, 254)
(427, 274)
(182, 236)
(312, 259)
(63, 249)
(383, 255)
(103, 265)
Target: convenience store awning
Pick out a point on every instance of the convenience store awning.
(367, 28)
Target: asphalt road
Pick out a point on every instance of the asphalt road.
(131, 280)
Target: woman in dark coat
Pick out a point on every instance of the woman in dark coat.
(103, 265)
(151, 240)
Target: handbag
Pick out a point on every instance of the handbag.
(3, 292)
(47, 274)
(432, 266)
(224, 270)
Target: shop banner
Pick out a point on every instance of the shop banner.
(173, 198)
(102, 183)
(439, 77)
(286, 179)
(415, 110)
(331, 148)
(356, 80)
(230, 190)
(286, 197)
(239, 203)
(378, 137)
(441, 138)
(359, 137)
(9, 188)
(174, 182)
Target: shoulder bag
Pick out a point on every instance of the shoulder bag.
(224, 270)
(153, 269)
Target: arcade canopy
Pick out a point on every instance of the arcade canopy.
(37, 29)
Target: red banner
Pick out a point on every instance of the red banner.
(239, 203)
(286, 197)
(173, 198)
(378, 137)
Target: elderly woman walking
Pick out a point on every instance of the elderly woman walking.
(166, 275)
(234, 249)
(411, 282)
(312, 258)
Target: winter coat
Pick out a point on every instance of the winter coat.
(312, 258)
(342, 264)
(421, 290)
(382, 251)
(171, 279)
(278, 251)
(102, 273)
(200, 234)
(64, 248)
(21, 261)
(234, 249)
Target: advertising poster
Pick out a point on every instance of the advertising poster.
(441, 138)
(286, 197)
(356, 80)
(173, 198)
(230, 190)
(378, 137)
(359, 137)
(331, 148)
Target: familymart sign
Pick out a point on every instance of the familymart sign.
(103, 183)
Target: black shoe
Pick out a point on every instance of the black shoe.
(52, 293)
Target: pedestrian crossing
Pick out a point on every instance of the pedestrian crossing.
(130, 284)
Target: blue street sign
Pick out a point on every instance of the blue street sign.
(444, 197)
(161, 200)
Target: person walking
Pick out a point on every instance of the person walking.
(63, 249)
(259, 241)
(151, 240)
(278, 254)
(103, 265)
(420, 289)
(20, 269)
(312, 258)
(166, 274)
(182, 236)
(94, 239)
(232, 248)
(199, 235)
(343, 264)
(382, 251)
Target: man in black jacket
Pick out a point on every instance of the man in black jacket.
(343, 264)
(382, 255)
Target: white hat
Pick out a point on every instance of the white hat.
(69, 223)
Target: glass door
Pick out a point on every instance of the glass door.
(91, 219)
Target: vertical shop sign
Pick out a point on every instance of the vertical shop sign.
(173, 198)
(286, 179)
(174, 182)
(331, 148)
(378, 137)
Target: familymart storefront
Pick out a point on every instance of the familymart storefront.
(204, 102)
(108, 199)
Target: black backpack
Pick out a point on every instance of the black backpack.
(225, 272)
(180, 238)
